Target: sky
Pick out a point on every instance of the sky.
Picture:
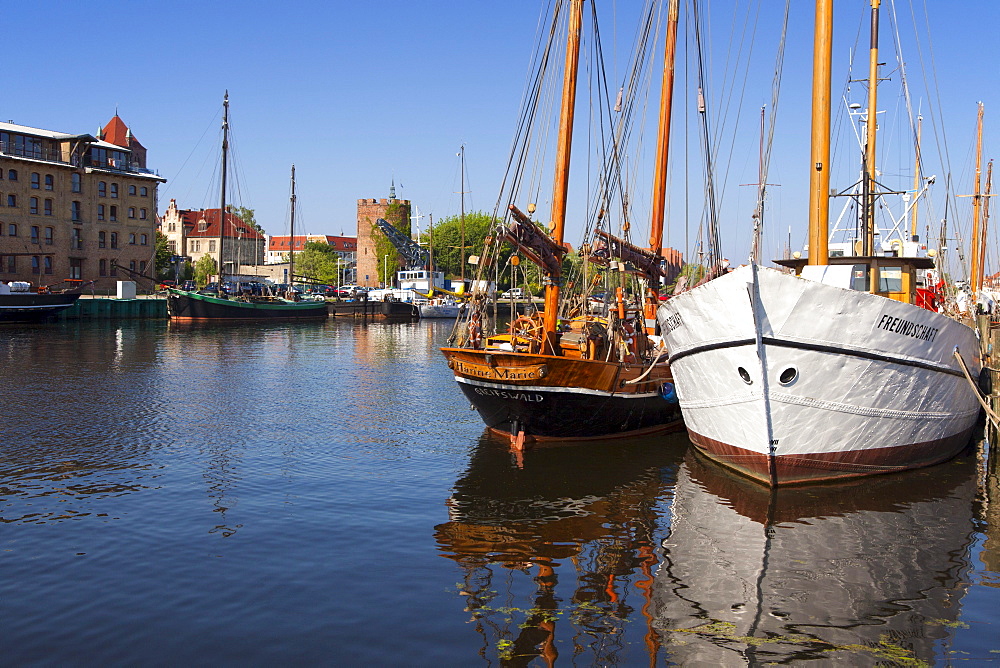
(361, 95)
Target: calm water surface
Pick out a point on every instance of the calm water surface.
(321, 494)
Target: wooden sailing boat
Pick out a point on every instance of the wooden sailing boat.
(833, 371)
(586, 376)
(191, 306)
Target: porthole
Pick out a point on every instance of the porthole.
(745, 375)
(788, 376)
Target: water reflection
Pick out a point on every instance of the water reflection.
(865, 573)
(561, 551)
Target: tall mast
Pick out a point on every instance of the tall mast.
(819, 175)
(462, 218)
(291, 232)
(870, 187)
(662, 152)
(976, 273)
(222, 204)
(916, 183)
(565, 143)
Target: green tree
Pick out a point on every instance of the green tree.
(448, 241)
(318, 262)
(203, 269)
(163, 268)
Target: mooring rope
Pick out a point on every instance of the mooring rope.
(975, 389)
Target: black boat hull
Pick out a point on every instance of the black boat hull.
(33, 307)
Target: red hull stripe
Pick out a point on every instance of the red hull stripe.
(826, 466)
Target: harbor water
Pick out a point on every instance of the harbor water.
(322, 494)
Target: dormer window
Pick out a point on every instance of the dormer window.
(202, 225)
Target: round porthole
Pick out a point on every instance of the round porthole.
(745, 375)
(788, 376)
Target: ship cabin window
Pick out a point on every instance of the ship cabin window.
(890, 279)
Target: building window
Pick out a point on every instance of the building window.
(202, 225)
(49, 234)
(211, 246)
(143, 191)
(131, 190)
(114, 213)
(172, 247)
(76, 268)
(100, 212)
(142, 214)
(103, 264)
(142, 266)
(131, 238)
(33, 205)
(102, 189)
(12, 200)
(34, 234)
(143, 240)
(12, 175)
(131, 212)
(74, 210)
(12, 230)
(131, 265)
(114, 266)
(35, 267)
(48, 264)
(36, 180)
(102, 239)
(114, 240)
(76, 243)
(114, 190)
(77, 186)
(49, 182)
(48, 207)
(12, 264)
(196, 246)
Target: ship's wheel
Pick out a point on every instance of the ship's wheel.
(527, 331)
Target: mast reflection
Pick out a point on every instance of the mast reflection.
(561, 551)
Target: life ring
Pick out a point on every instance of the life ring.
(475, 333)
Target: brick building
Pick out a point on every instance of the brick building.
(194, 233)
(278, 247)
(397, 211)
(75, 206)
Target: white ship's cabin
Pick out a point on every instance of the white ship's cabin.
(420, 279)
(898, 278)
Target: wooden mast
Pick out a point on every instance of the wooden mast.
(222, 204)
(291, 242)
(663, 147)
(819, 175)
(916, 183)
(565, 142)
(986, 224)
(462, 210)
(975, 275)
(870, 187)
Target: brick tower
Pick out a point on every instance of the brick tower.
(397, 212)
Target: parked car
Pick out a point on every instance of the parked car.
(514, 293)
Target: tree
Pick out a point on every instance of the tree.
(204, 268)
(162, 259)
(448, 241)
(318, 262)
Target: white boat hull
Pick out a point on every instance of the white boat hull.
(817, 382)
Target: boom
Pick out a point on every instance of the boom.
(415, 256)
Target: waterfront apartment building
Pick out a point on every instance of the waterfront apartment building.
(278, 247)
(194, 233)
(75, 207)
(370, 273)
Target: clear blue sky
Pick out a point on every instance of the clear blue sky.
(358, 94)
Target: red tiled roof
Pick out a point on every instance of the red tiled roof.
(235, 227)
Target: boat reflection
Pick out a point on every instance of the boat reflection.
(565, 542)
(863, 573)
